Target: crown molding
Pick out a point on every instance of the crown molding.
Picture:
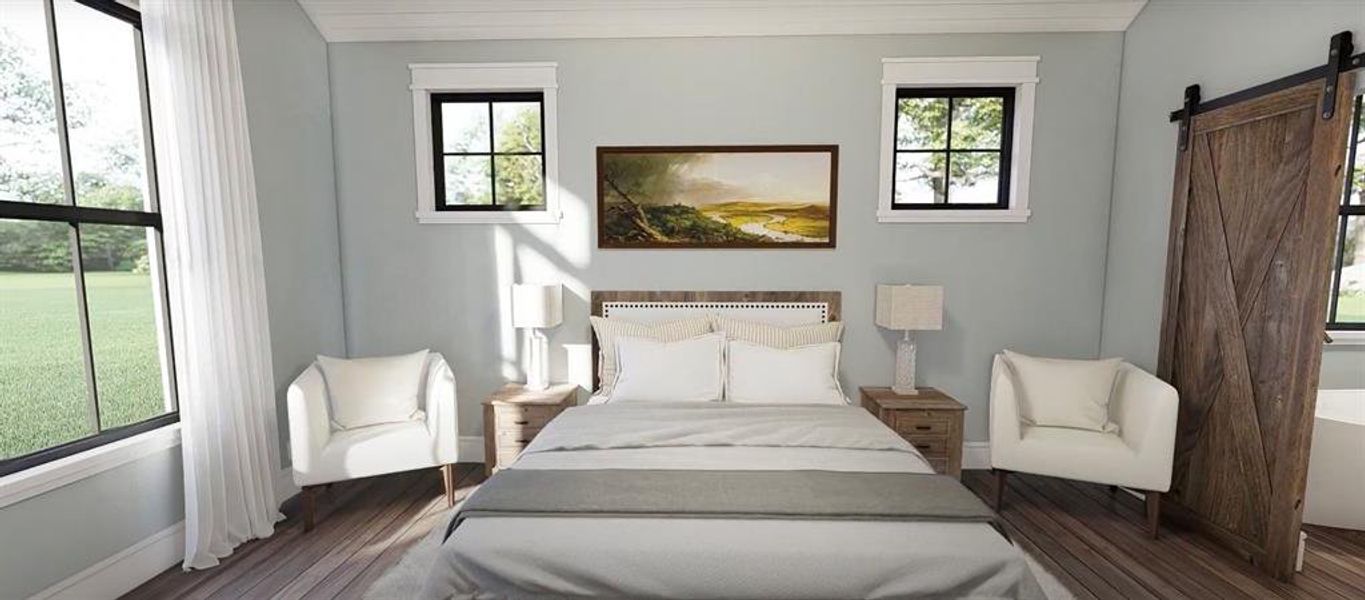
(416, 20)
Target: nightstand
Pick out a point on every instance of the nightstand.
(513, 415)
(930, 420)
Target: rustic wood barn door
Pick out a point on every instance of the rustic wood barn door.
(1254, 212)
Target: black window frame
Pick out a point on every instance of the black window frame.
(438, 150)
(1345, 212)
(75, 216)
(1006, 149)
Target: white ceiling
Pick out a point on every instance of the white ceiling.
(385, 20)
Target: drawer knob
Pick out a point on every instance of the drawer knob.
(923, 427)
(922, 446)
(523, 441)
(520, 422)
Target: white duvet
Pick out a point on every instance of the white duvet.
(574, 557)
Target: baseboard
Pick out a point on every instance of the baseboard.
(471, 448)
(285, 488)
(124, 571)
(976, 455)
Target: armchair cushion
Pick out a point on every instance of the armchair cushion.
(1065, 393)
(371, 391)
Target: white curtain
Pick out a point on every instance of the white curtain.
(216, 277)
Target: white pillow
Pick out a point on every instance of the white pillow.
(370, 391)
(609, 329)
(775, 336)
(690, 370)
(1055, 392)
(809, 374)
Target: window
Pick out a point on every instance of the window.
(952, 148)
(486, 137)
(956, 135)
(1346, 311)
(84, 342)
(491, 156)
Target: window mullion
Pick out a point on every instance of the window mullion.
(83, 313)
(492, 160)
(948, 154)
(69, 191)
(59, 104)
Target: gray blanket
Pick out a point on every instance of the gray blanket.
(796, 494)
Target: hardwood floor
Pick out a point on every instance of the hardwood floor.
(363, 528)
(1091, 540)
(1094, 542)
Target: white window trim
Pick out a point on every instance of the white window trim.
(429, 78)
(40, 479)
(1018, 72)
(1346, 337)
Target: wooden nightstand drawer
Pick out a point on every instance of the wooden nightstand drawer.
(524, 416)
(918, 422)
(940, 465)
(519, 435)
(930, 447)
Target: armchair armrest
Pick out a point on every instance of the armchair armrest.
(1004, 416)
(1146, 410)
(442, 411)
(310, 421)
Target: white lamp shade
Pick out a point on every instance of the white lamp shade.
(537, 305)
(910, 307)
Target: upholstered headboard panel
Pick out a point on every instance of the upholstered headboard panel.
(777, 308)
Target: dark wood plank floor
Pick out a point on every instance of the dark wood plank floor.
(363, 528)
(1091, 540)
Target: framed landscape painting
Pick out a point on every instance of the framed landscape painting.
(716, 196)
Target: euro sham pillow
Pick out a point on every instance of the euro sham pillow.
(371, 391)
(776, 336)
(690, 370)
(1056, 392)
(760, 374)
(608, 330)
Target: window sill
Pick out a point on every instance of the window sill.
(437, 217)
(1346, 337)
(17, 487)
(953, 216)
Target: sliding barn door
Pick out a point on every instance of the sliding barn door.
(1252, 222)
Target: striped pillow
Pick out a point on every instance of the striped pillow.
(608, 330)
(774, 336)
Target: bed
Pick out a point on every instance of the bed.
(784, 548)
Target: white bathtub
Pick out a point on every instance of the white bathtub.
(1336, 467)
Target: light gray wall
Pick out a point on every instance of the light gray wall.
(284, 75)
(53, 536)
(1223, 46)
(1035, 287)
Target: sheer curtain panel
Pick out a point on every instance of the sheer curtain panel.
(217, 285)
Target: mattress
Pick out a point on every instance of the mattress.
(558, 557)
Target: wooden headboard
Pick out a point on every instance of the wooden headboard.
(776, 307)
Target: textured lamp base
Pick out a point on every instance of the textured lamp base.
(905, 367)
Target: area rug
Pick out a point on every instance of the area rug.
(405, 579)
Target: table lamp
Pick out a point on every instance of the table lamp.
(908, 308)
(537, 306)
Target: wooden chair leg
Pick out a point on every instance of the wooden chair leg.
(448, 480)
(1000, 475)
(1153, 513)
(310, 504)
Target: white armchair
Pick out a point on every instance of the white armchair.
(322, 454)
(1138, 456)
